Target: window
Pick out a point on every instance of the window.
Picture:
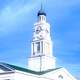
(42, 47)
(33, 49)
(40, 18)
(33, 53)
(60, 77)
(38, 47)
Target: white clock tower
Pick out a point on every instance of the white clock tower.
(41, 47)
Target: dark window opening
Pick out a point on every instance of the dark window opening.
(38, 46)
(60, 76)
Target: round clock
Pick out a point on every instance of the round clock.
(47, 31)
(38, 29)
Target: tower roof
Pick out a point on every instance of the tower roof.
(41, 12)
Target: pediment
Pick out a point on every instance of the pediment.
(60, 74)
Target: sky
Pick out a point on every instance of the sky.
(17, 18)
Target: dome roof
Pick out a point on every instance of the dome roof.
(41, 12)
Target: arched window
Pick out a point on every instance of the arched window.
(60, 77)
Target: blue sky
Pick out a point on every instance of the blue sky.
(16, 22)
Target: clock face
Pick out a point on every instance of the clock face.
(47, 30)
(38, 29)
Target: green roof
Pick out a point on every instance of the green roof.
(13, 67)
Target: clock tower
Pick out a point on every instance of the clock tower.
(41, 47)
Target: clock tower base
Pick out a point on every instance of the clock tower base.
(41, 63)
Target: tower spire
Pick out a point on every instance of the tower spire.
(41, 11)
(41, 6)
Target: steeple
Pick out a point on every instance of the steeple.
(41, 11)
(41, 47)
